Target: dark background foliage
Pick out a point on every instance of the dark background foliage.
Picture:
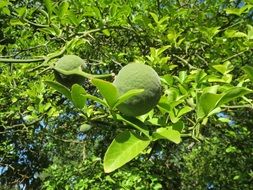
(42, 146)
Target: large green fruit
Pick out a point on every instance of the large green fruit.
(138, 76)
(67, 63)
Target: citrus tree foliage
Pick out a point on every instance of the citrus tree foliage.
(71, 137)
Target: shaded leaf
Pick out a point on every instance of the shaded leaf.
(96, 99)
(179, 126)
(134, 122)
(60, 88)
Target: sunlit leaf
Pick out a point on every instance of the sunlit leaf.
(183, 111)
(232, 94)
(235, 34)
(127, 95)
(167, 133)
(249, 71)
(108, 91)
(238, 11)
(224, 68)
(49, 6)
(207, 103)
(125, 147)
(250, 32)
(77, 95)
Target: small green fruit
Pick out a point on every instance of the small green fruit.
(138, 76)
(85, 127)
(68, 63)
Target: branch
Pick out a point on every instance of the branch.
(5, 60)
(49, 57)
(238, 106)
(185, 62)
(236, 55)
(66, 140)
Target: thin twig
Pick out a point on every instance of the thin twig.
(238, 106)
(202, 59)
(236, 55)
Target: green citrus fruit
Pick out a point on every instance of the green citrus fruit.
(67, 63)
(85, 127)
(138, 76)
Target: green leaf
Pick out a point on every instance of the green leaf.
(108, 91)
(250, 32)
(155, 17)
(179, 126)
(200, 76)
(106, 32)
(167, 79)
(167, 133)
(92, 11)
(207, 103)
(60, 88)
(232, 94)
(73, 18)
(78, 71)
(211, 89)
(63, 9)
(224, 68)
(134, 122)
(210, 32)
(96, 99)
(182, 76)
(4, 3)
(6, 11)
(227, 78)
(249, 71)
(238, 11)
(173, 35)
(162, 49)
(49, 6)
(125, 147)
(77, 95)
(127, 95)
(184, 110)
(235, 34)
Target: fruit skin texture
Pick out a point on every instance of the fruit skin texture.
(67, 63)
(138, 76)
